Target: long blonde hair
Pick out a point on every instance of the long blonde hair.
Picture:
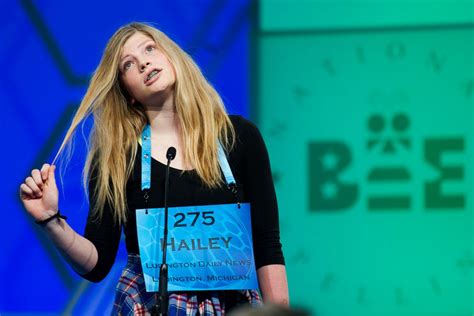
(118, 124)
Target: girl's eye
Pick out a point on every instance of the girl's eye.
(127, 65)
(150, 48)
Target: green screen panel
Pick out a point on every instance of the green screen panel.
(321, 14)
(370, 137)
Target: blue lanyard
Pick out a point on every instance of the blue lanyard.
(146, 162)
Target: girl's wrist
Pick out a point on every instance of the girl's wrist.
(50, 216)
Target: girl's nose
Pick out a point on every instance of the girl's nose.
(144, 65)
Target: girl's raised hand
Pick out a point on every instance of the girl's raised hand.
(39, 193)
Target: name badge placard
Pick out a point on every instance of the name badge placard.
(209, 247)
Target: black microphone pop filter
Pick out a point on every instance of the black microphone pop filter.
(171, 153)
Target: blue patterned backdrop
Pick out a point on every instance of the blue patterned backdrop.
(48, 51)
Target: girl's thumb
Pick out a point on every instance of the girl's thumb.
(51, 179)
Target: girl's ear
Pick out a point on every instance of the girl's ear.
(132, 101)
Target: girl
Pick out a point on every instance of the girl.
(145, 79)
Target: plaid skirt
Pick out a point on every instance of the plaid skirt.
(131, 297)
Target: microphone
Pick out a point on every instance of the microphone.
(170, 154)
(162, 303)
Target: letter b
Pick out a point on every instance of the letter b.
(326, 162)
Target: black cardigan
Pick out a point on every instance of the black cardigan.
(250, 165)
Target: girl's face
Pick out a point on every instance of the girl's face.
(145, 71)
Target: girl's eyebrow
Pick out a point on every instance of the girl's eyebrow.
(140, 45)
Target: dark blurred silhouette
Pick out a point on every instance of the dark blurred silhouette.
(268, 310)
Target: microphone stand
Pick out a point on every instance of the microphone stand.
(161, 307)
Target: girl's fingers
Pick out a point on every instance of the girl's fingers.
(25, 191)
(32, 185)
(44, 172)
(36, 175)
(51, 178)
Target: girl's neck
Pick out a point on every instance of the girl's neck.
(163, 118)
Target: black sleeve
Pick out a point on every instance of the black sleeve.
(260, 190)
(105, 235)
